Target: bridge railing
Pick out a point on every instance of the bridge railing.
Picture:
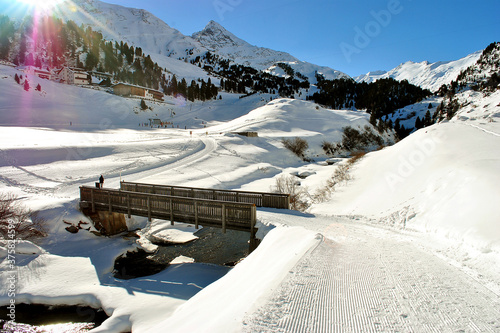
(260, 199)
(222, 214)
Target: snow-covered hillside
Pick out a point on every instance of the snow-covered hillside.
(424, 74)
(138, 27)
(93, 108)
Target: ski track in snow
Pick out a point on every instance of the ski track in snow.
(482, 129)
(367, 279)
(136, 170)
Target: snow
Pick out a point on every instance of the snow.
(248, 281)
(414, 233)
(424, 74)
(440, 178)
(158, 232)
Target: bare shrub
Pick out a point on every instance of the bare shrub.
(341, 175)
(290, 185)
(356, 156)
(298, 146)
(331, 149)
(323, 193)
(18, 222)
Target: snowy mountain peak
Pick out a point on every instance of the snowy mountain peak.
(215, 27)
(215, 37)
(424, 74)
(218, 40)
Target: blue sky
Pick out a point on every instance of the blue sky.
(353, 36)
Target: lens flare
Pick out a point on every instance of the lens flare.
(40, 4)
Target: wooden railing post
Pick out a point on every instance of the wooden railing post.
(253, 219)
(223, 218)
(149, 209)
(92, 199)
(196, 214)
(128, 206)
(171, 212)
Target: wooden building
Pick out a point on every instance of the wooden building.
(127, 90)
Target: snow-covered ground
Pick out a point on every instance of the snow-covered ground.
(411, 243)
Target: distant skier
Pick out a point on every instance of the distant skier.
(101, 181)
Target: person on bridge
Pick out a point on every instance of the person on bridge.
(101, 181)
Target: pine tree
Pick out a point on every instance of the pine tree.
(38, 87)
(16, 77)
(26, 85)
(182, 87)
(7, 31)
(418, 123)
(427, 119)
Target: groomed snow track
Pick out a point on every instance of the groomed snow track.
(368, 279)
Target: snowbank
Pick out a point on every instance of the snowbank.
(221, 306)
(442, 179)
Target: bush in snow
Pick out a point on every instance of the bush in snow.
(298, 146)
(18, 222)
(290, 185)
(354, 140)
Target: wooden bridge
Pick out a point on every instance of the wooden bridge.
(224, 209)
(259, 199)
(225, 215)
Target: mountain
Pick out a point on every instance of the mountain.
(424, 74)
(218, 40)
(473, 96)
(141, 28)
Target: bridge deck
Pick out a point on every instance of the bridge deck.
(260, 199)
(222, 214)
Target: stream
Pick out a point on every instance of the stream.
(211, 247)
